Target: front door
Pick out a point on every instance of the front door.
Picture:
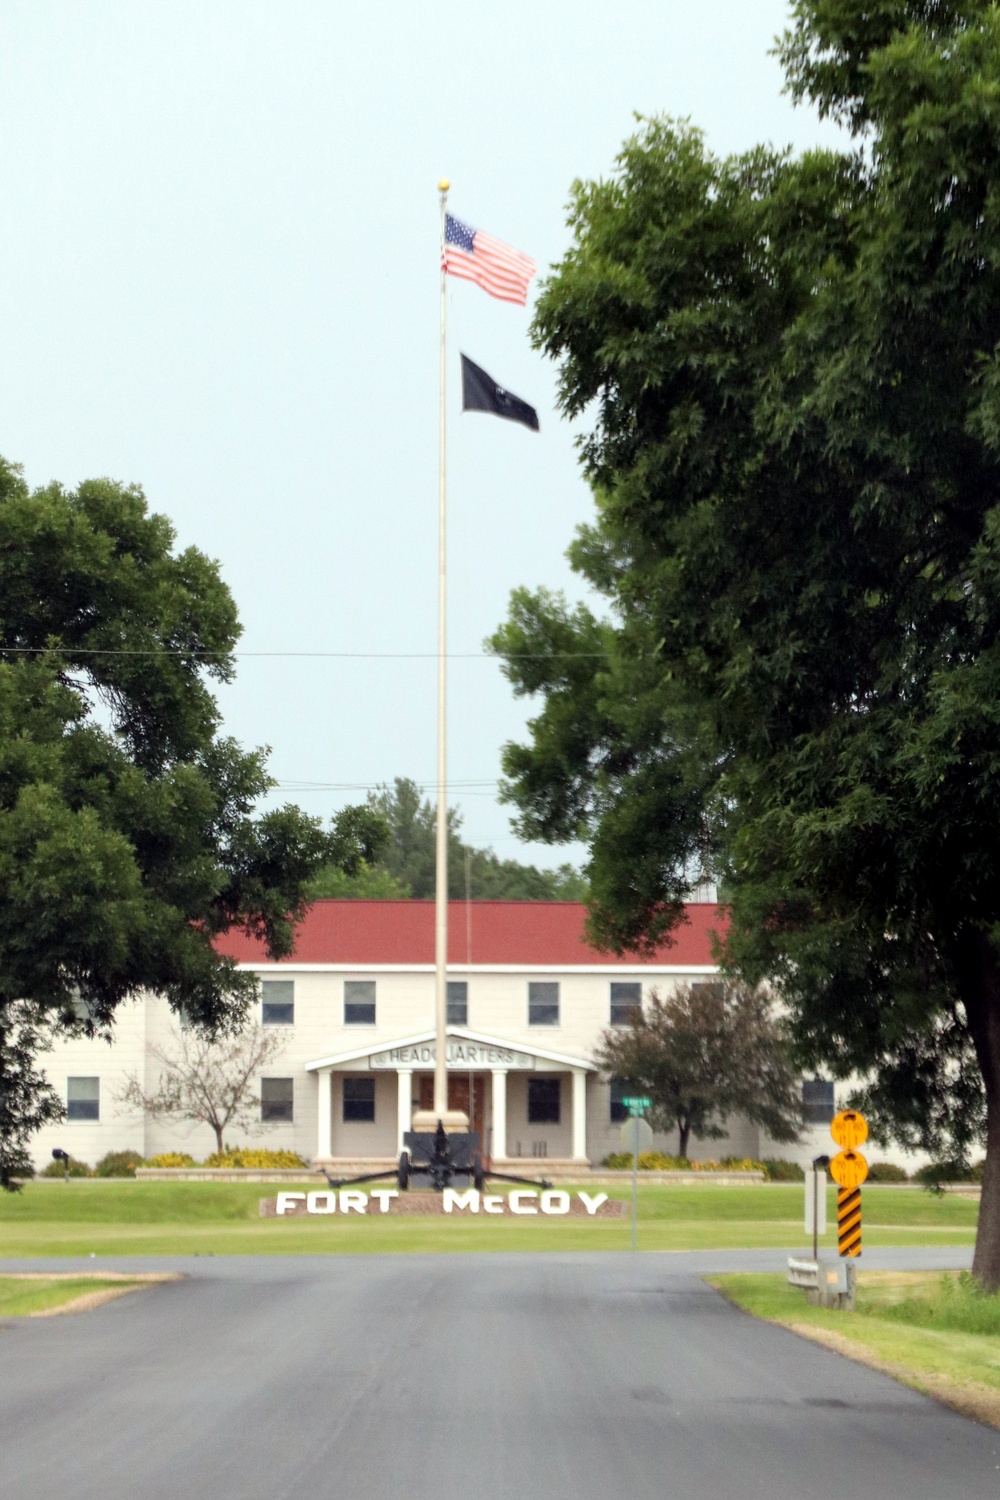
(466, 1091)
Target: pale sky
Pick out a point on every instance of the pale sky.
(219, 272)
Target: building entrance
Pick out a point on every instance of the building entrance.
(466, 1091)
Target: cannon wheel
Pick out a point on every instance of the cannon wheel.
(403, 1174)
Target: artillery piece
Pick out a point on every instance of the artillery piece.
(441, 1158)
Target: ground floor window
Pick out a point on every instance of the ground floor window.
(83, 1098)
(276, 1100)
(359, 1100)
(817, 1101)
(543, 1101)
(616, 1109)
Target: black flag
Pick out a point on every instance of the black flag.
(480, 392)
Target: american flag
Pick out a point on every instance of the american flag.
(478, 257)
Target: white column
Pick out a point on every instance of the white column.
(579, 1115)
(404, 1104)
(498, 1149)
(324, 1107)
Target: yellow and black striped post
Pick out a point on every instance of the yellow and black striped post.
(849, 1221)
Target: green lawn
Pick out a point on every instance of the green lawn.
(208, 1218)
(931, 1330)
(22, 1296)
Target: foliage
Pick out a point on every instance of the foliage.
(27, 1100)
(207, 1082)
(656, 1161)
(780, 1170)
(118, 1164)
(60, 1169)
(255, 1157)
(702, 1053)
(936, 1174)
(791, 371)
(405, 867)
(127, 836)
(170, 1159)
(886, 1171)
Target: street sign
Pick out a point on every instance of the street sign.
(636, 1135)
(848, 1169)
(815, 1202)
(637, 1105)
(849, 1221)
(849, 1129)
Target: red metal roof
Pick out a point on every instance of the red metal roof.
(363, 933)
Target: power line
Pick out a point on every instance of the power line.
(321, 655)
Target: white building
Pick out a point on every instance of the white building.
(527, 1002)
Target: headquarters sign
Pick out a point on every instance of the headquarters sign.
(459, 1055)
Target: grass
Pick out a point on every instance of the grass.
(935, 1332)
(98, 1217)
(27, 1296)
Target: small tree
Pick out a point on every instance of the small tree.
(702, 1053)
(208, 1082)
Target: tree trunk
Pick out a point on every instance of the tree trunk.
(218, 1138)
(683, 1134)
(978, 972)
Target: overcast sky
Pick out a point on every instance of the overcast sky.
(219, 280)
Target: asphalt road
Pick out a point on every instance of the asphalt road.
(568, 1377)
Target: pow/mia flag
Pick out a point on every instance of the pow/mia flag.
(480, 392)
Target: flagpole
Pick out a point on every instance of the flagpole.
(441, 862)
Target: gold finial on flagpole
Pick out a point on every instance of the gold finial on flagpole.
(443, 185)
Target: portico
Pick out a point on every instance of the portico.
(525, 1100)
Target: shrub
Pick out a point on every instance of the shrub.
(780, 1170)
(58, 1169)
(118, 1164)
(656, 1161)
(259, 1159)
(937, 1172)
(886, 1171)
(170, 1159)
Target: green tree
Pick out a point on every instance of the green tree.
(406, 863)
(702, 1054)
(793, 366)
(127, 840)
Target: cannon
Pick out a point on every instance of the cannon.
(440, 1158)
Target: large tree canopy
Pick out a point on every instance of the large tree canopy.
(791, 370)
(405, 865)
(127, 841)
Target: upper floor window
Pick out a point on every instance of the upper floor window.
(458, 1002)
(359, 1002)
(277, 1002)
(626, 999)
(359, 1100)
(276, 1099)
(543, 1003)
(83, 1098)
(817, 1101)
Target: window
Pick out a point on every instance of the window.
(543, 1101)
(277, 1002)
(626, 999)
(359, 1100)
(458, 1002)
(276, 1095)
(817, 1101)
(543, 1004)
(616, 1109)
(359, 1002)
(83, 1098)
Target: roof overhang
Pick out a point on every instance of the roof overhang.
(384, 1048)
